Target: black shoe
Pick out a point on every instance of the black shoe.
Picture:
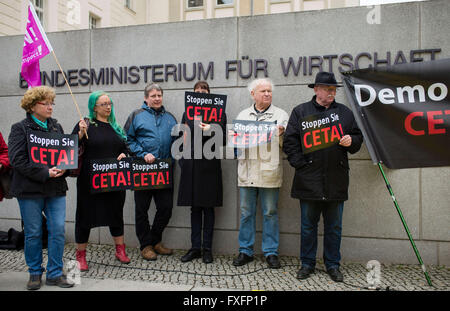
(59, 281)
(191, 254)
(207, 256)
(242, 259)
(304, 273)
(335, 274)
(273, 262)
(34, 282)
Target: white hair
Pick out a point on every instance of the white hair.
(255, 83)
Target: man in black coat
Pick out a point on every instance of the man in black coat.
(318, 137)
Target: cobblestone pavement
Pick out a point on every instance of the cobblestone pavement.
(221, 274)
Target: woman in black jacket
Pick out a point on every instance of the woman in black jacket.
(201, 188)
(106, 139)
(39, 189)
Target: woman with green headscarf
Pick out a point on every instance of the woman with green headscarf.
(105, 139)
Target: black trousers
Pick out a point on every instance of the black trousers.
(82, 234)
(164, 203)
(202, 218)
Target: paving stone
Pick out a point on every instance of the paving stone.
(221, 274)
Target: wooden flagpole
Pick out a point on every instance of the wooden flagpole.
(70, 90)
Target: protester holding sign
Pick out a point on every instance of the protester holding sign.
(201, 184)
(322, 176)
(106, 139)
(5, 166)
(260, 172)
(149, 137)
(39, 189)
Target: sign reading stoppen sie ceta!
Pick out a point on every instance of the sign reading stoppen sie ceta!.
(52, 149)
(129, 173)
(207, 108)
(249, 134)
(320, 131)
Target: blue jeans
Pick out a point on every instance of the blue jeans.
(332, 220)
(247, 229)
(54, 209)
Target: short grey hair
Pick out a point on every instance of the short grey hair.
(255, 83)
(150, 87)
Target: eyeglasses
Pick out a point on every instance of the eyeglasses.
(46, 104)
(104, 104)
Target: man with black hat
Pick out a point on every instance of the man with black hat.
(318, 137)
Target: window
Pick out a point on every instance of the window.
(129, 4)
(194, 3)
(94, 22)
(222, 2)
(39, 8)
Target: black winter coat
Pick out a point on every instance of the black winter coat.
(201, 179)
(323, 174)
(32, 182)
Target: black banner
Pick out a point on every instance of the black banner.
(129, 173)
(207, 108)
(404, 112)
(249, 134)
(320, 131)
(52, 149)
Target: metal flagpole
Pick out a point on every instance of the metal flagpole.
(405, 226)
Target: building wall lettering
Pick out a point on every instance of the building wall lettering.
(245, 68)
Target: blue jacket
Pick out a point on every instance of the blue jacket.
(149, 131)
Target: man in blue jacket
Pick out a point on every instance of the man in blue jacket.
(149, 137)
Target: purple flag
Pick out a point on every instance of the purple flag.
(35, 47)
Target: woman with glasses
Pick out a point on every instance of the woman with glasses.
(39, 189)
(105, 139)
(201, 188)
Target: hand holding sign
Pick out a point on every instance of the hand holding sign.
(346, 141)
(55, 172)
(149, 158)
(83, 129)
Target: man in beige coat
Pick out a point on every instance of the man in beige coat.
(260, 175)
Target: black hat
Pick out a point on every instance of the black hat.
(325, 78)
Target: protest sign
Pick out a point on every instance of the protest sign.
(129, 173)
(110, 175)
(320, 131)
(249, 134)
(207, 108)
(52, 149)
(156, 175)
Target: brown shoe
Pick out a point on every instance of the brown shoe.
(160, 249)
(148, 253)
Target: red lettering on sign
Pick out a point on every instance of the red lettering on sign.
(305, 142)
(94, 182)
(121, 181)
(432, 122)
(63, 158)
(408, 122)
(33, 157)
(209, 113)
(433, 119)
(334, 133)
(42, 156)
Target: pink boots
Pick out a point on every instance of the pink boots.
(121, 255)
(81, 258)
